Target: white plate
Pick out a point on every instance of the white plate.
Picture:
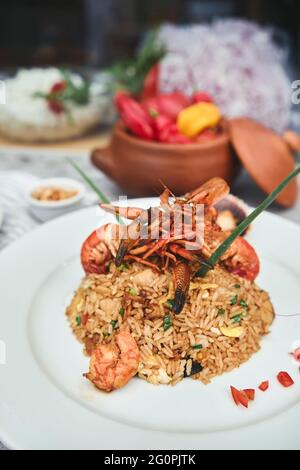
(1, 216)
(46, 404)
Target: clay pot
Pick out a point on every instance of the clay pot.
(138, 166)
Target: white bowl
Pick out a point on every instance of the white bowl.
(47, 210)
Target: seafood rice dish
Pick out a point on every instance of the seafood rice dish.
(145, 309)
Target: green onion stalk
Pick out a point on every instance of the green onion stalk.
(216, 256)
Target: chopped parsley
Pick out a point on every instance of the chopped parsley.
(221, 311)
(167, 322)
(78, 321)
(121, 312)
(234, 300)
(105, 334)
(114, 324)
(197, 346)
(237, 286)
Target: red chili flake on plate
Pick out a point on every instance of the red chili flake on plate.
(296, 354)
(285, 379)
(250, 392)
(264, 386)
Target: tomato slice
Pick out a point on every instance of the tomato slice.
(285, 379)
(243, 399)
(239, 397)
(250, 392)
(264, 386)
(235, 395)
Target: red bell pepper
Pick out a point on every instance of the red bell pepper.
(168, 104)
(285, 379)
(150, 87)
(134, 116)
(171, 135)
(264, 386)
(206, 136)
(202, 97)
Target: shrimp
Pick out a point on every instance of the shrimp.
(99, 248)
(113, 365)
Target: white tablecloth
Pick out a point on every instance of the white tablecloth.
(18, 171)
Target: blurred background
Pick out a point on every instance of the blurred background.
(93, 33)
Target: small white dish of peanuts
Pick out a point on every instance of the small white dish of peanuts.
(50, 198)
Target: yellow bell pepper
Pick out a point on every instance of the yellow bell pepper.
(194, 119)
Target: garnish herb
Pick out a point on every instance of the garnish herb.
(170, 303)
(132, 291)
(221, 311)
(114, 324)
(237, 286)
(237, 319)
(121, 312)
(197, 346)
(244, 304)
(234, 300)
(78, 321)
(215, 257)
(105, 334)
(92, 185)
(123, 267)
(167, 322)
(130, 74)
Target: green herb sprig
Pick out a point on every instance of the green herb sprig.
(216, 256)
(130, 74)
(93, 186)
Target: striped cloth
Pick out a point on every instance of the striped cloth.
(16, 217)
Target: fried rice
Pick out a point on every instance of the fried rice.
(220, 327)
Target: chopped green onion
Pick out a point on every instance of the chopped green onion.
(123, 267)
(167, 322)
(121, 312)
(92, 185)
(78, 321)
(215, 257)
(114, 324)
(170, 303)
(197, 346)
(237, 319)
(221, 311)
(234, 300)
(244, 304)
(132, 291)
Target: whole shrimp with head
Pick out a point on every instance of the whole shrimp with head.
(170, 248)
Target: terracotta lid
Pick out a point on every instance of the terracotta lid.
(266, 157)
